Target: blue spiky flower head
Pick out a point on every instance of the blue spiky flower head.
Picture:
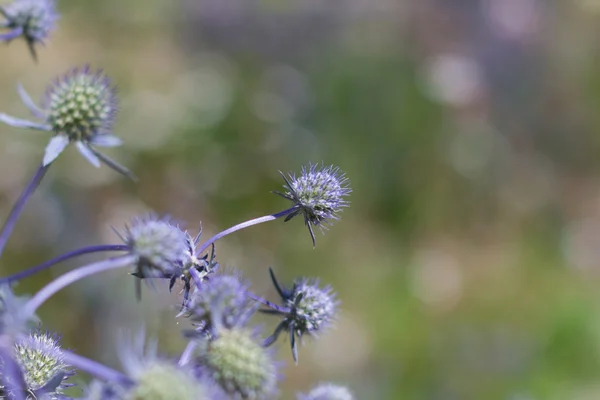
(327, 391)
(307, 309)
(42, 363)
(219, 302)
(239, 364)
(78, 108)
(318, 194)
(32, 19)
(161, 248)
(82, 104)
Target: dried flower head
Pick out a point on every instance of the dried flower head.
(240, 365)
(79, 108)
(307, 309)
(42, 362)
(318, 194)
(327, 391)
(32, 19)
(161, 248)
(220, 302)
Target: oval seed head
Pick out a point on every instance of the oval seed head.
(37, 18)
(327, 391)
(318, 194)
(82, 104)
(241, 366)
(161, 248)
(221, 301)
(42, 362)
(160, 380)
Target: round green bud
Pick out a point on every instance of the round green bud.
(163, 381)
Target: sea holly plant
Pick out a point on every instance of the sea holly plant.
(227, 357)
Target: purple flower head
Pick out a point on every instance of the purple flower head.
(32, 19)
(307, 309)
(78, 108)
(327, 391)
(161, 248)
(41, 361)
(239, 364)
(317, 194)
(219, 302)
(81, 104)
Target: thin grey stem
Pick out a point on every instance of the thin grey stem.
(243, 225)
(19, 205)
(73, 276)
(186, 356)
(96, 369)
(85, 250)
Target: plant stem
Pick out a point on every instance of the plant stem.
(10, 222)
(96, 369)
(85, 250)
(187, 353)
(243, 225)
(70, 277)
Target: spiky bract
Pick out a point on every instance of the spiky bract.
(327, 391)
(240, 365)
(81, 104)
(307, 309)
(318, 194)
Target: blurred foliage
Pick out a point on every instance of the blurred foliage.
(468, 262)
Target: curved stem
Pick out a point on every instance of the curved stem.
(187, 353)
(10, 222)
(70, 277)
(95, 369)
(243, 225)
(85, 250)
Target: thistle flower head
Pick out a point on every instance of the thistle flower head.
(32, 19)
(160, 247)
(327, 391)
(307, 309)
(221, 301)
(241, 366)
(318, 194)
(82, 104)
(42, 363)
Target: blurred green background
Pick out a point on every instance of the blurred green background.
(468, 264)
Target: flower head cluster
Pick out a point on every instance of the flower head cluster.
(327, 391)
(307, 309)
(220, 302)
(32, 19)
(80, 108)
(239, 364)
(317, 194)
